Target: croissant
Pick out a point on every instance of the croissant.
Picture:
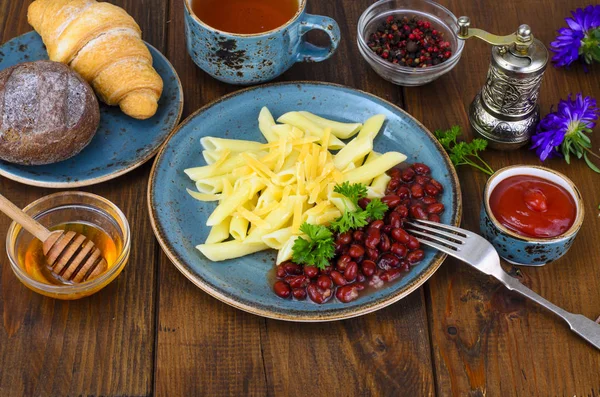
(104, 45)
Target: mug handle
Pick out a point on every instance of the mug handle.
(311, 53)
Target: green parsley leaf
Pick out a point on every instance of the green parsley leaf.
(317, 250)
(376, 209)
(354, 191)
(350, 220)
(463, 153)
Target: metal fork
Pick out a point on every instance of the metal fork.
(479, 253)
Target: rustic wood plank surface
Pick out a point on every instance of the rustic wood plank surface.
(152, 332)
(102, 345)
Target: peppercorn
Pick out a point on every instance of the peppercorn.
(409, 41)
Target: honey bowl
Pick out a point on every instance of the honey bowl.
(89, 214)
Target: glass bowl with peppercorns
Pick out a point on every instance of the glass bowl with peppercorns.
(409, 42)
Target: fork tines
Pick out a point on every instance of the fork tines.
(434, 234)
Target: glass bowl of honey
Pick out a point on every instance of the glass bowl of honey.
(93, 216)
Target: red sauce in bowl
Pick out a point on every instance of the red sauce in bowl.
(533, 206)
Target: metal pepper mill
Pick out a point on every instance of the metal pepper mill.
(505, 111)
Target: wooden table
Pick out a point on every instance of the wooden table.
(152, 332)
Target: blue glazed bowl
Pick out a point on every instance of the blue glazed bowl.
(179, 221)
(246, 59)
(523, 250)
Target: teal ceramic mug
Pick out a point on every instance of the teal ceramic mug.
(256, 58)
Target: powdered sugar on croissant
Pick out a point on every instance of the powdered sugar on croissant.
(103, 44)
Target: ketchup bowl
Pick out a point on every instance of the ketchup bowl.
(530, 214)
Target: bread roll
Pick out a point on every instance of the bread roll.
(103, 44)
(48, 113)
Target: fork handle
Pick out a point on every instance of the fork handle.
(581, 325)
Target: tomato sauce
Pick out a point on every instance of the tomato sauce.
(533, 206)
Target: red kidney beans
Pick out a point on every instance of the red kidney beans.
(311, 271)
(363, 202)
(376, 225)
(400, 235)
(282, 289)
(324, 282)
(387, 261)
(368, 267)
(317, 295)
(297, 281)
(394, 219)
(399, 250)
(345, 238)
(391, 200)
(408, 174)
(384, 244)
(280, 272)
(299, 293)
(421, 168)
(431, 190)
(436, 208)
(413, 243)
(372, 240)
(415, 256)
(343, 261)
(391, 275)
(403, 192)
(428, 200)
(372, 255)
(347, 293)
(434, 218)
(351, 272)
(418, 212)
(437, 185)
(356, 251)
(422, 179)
(402, 210)
(358, 236)
(337, 278)
(416, 191)
(292, 268)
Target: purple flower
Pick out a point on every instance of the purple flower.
(562, 133)
(581, 39)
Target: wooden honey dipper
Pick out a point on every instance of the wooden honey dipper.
(71, 256)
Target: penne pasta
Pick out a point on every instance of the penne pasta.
(265, 123)
(229, 250)
(276, 219)
(380, 183)
(285, 252)
(297, 120)
(372, 126)
(234, 145)
(278, 238)
(355, 150)
(380, 165)
(341, 130)
(214, 184)
(219, 232)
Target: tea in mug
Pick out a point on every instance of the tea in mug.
(245, 16)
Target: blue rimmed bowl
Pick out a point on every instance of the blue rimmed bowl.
(524, 250)
(179, 221)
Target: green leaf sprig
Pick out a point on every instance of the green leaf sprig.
(578, 144)
(375, 210)
(319, 246)
(317, 250)
(464, 153)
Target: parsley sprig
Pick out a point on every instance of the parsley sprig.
(464, 153)
(375, 210)
(319, 247)
(317, 250)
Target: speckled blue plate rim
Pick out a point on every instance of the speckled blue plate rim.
(282, 313)
(43, 176)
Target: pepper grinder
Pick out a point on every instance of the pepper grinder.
(505, 111)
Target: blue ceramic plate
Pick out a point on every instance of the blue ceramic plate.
(121, 143)
(179, 220)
